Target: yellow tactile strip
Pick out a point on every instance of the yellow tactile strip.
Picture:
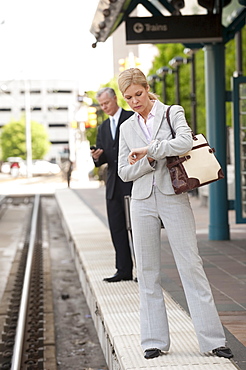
(114, 307)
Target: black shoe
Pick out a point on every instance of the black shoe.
(223, 352)
(152, 353)
(117, 277)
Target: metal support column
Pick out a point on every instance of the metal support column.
(193, 92)
(216, 133)
(164, 92)
(177, 85)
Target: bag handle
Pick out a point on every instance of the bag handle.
(172, 130)
(169, 122)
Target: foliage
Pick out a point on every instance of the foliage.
(230, 67)
(91, 133)
(13, 140)
(114, 85)
(169, 51)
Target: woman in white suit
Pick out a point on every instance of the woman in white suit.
(145, 142)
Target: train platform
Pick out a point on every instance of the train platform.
(115, 307)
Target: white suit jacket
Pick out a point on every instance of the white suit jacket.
(162, 145)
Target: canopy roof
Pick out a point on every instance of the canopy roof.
(111, 13)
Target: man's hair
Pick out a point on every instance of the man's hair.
(108, 90)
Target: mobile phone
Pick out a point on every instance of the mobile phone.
(93, 147)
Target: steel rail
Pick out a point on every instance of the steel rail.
(2, 199)
(20, 330)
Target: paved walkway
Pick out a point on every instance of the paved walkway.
(115, 307)
(224, 262)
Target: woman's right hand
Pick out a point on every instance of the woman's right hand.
(137, 154)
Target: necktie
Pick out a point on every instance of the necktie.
(113, 127)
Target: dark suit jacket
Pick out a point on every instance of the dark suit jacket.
(110, 148)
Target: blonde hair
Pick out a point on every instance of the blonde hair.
(133, 76)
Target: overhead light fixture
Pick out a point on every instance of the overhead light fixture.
(163, 71)
(177, 61)
(106, 12)
(152, 78)
(190, 52)
(102, 25)
(207, 4)
(178, 4)
(109, 14)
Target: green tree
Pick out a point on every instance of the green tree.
(91, 133)
(230, 52)
(169, 51)
(13, 140)
(166, 53)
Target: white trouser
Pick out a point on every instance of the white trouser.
(177, 216)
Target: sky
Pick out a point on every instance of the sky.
(51, 39)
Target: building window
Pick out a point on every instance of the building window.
(59, 91)
(57, 124)
(59, 142)
(5, 109)
(32, 109)
(31, 92)
(57, 108)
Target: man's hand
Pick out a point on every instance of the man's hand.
(95, 153)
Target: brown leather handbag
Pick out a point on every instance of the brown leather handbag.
(195, 168)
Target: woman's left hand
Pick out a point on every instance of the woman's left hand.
(137, 154)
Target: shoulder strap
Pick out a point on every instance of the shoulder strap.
(169, 122)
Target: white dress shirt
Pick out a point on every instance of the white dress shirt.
(114, 121)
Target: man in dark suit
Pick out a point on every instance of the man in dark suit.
(106, 151)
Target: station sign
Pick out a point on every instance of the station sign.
(174, 29)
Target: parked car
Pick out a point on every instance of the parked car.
(5, 168)
(42, 167)
(39, 167)
(16, 166)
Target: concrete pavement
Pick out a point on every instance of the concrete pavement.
(224, 261)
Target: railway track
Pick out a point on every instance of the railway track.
(45, 322)
(27, 339)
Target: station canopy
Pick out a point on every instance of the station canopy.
(191, 22)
